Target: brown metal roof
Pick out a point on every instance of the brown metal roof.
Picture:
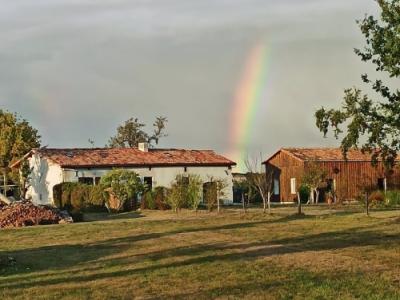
(325, 154)
(124, 157)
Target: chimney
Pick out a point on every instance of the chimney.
(144, 147)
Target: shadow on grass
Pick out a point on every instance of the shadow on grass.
(104, 216)
(61, 257)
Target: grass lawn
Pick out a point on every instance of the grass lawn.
(325, 255)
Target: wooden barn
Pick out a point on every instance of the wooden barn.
(346, 178)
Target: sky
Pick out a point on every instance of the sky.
(76, 69)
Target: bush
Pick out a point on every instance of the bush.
(96, 197)
(122, 186)
(148, 201)
(160, 198)
(210, 195)
(377, 197)
(304, 192)
(393, 198)
(74, 196)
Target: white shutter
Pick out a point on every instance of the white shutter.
(293, 186)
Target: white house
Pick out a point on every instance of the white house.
(157, 167)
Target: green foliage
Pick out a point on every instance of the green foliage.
(131, 133)
(17, 137)
(304, 192)
(193, 192)
(393, 198)
(96, 197)
(74, 196)
(210, 195)
(160, 198)
(185, 191)
(148, 200)
(375, 124)
(177, 194)
(123, 184)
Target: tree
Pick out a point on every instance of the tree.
(131, 133)
(194, 191)
(17, 137)
(215, 190)
(122, 186)
(260, 181)
(373, 124)
(313, 177)
(185, 192)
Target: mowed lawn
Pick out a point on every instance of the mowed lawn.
(327, 254)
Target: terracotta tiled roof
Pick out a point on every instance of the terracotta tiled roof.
(123, 157)
(324, 154)
(327, 154)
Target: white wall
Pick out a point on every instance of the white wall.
(163, 176)
(46, 174)
(43, 177)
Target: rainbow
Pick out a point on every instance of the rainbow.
(247, 100)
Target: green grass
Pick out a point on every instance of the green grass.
(326, 254)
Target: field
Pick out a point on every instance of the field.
(326, 254)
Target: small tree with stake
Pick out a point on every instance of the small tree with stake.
(313, 177)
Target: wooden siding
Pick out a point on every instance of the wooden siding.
(285, 167)
(351, 177)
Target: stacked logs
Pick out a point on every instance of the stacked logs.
(20, 214)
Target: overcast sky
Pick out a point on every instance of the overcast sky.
(78, 68)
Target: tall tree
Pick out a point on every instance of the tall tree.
(17, 137)
(373, 124)
(132, 132)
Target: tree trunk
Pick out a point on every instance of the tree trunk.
(299, 204)
(264, 201)
(316, 196)
(367, 202)
(269, 202)
(218, 205)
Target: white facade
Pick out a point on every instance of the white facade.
(45, 174)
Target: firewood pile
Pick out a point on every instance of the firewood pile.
(20, 214)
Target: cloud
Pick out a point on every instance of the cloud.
(77, 69)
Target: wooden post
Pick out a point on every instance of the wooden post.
(243, 203)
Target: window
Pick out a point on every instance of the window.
(148, 181)
(382, 184)
(276, 186)
(86, 180)
(293, 186)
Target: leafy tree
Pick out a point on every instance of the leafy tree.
(123, 186)
(194, 191)
(373, 124)
(313, 177)
(131, 133)
(17, 137)
(185, 192)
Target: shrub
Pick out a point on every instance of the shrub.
(148, 201)
(80, 196)
(176, 196)
(210, 195)
(193, 192)
(393, 198)
(96, 197)
(122, 186)
(377, 197)
(304, 192)
(160, 198)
